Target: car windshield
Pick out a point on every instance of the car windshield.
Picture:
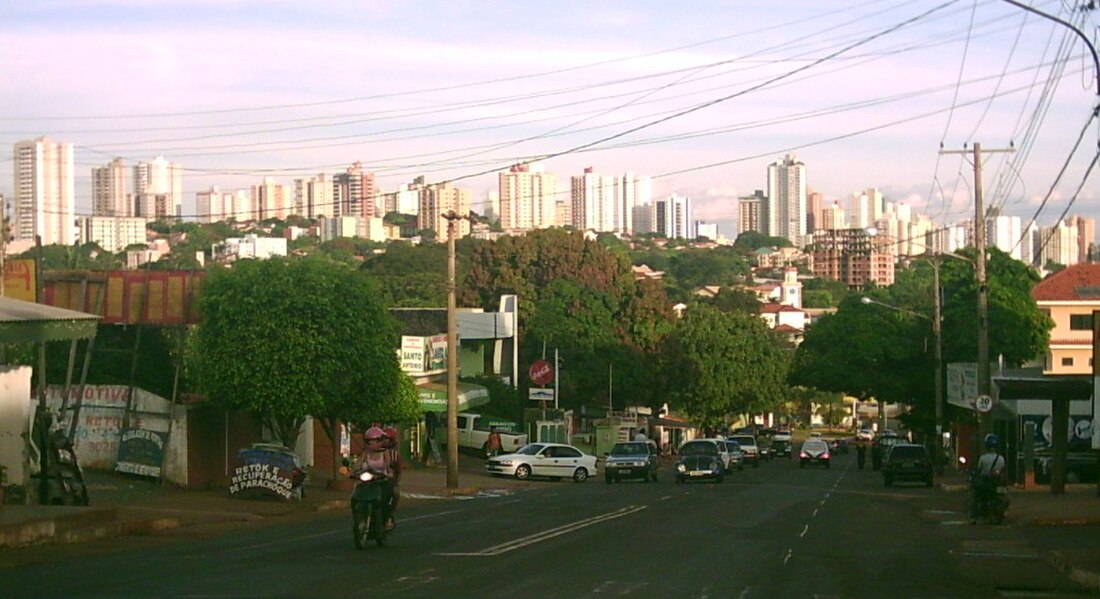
(733, 446)
(531, 449)
(745, 440)
(629, 449)
(698, 448)
(815, 446)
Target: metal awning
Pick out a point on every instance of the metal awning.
(433, 396)
(28, 322)
(1061, 388)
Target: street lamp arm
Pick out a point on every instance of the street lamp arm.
(869, 301)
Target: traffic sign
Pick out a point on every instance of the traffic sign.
(541, 372)
(984, 403)
(535, 394)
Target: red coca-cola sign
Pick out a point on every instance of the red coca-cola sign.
(541, 372)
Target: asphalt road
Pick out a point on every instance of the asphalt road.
(776, 531)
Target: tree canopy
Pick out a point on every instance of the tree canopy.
(317, 340)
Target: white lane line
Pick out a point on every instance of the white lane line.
(665, 498)
(332, 532)
(788, 558)
(547, 534)
(744, 593)
(815, 512)
(804, 529)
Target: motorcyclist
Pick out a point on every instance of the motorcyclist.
(380, 456)
(988, 473)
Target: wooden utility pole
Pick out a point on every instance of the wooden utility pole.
(452, 356)
(984, 419)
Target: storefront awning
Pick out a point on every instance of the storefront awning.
(433, 396)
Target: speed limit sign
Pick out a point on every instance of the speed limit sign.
(984, 403)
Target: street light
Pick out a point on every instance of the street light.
(937, 322)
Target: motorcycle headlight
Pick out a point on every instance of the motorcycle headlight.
(366, 475)
(681, 468)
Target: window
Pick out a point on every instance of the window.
(1080, 322)
(1067, 361)
(568, 452)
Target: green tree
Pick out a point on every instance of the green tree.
(317, 340)
(737, 300)
(718, 364)
(753, 240)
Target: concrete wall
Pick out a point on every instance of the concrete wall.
(15, 421)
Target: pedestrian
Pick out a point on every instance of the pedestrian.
(493, 444)
(861, 454)
(640, 436)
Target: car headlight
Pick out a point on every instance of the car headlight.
(505, 462)
(681, 468)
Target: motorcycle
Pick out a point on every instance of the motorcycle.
(989, 497)
(368, 509)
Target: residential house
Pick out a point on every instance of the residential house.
(1069, 298)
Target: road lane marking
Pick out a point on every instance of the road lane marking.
(815, 512)
(665, 498)
(332, 532)
(547, 534)
(788, 558)
(804, 529)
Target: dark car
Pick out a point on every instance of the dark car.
(838, 446)
(699, 460)
(781, 448)
(881, 446)
(637, 459)
(815, 452)
(907, 461)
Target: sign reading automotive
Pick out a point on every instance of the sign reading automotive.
(541, 372)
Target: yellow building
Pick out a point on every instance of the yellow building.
(1069, 297)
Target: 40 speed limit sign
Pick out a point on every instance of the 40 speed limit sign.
(984, 403)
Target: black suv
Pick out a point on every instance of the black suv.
(637, 459)
(906, 461)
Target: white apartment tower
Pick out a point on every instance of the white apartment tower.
(215, 205)
(158, 189)
(436, 202)
(271, 199)
(787, 199)
(673, 217)
(528, 198)
(109, 197)
(44, 192)
(865, 208)
(1004, 233)
(314, 196)
(752, 213)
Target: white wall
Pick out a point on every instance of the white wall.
(15, 421)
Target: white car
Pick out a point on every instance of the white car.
(555, 460)
(865, 434)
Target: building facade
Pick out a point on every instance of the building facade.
(787, 199)
(752, 213)
(109, 190)
(528, 198)
(158, 189)
(853, 256)
(44, 192)
(112, 233)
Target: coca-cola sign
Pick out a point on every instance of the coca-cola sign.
(541, 372)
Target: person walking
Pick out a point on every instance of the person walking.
(861, 453)
(493, 444)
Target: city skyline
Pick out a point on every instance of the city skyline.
(702, 101)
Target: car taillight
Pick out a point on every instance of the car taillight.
(803, 455)
(825, 456)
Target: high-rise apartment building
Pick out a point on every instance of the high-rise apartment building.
(592, 201)
(1060, 243)
(787, 200)
(815, 207)
(314, 196)
(109, 194)
(436, 202)
(865, 207)
(355, 192)
(44, 192)
(752, 213)
(1086, 235)
(854, 256)
(672, 217)
(1004, 232)
(833, 217)
(215, 205)
(112, 233)
(158, 189)
(528, 198)
(271, 199)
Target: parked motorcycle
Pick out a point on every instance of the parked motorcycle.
(988, 497)
(369, 509)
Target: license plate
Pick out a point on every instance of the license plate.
(698, 473)
(624, 470)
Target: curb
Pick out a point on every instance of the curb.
(1086, 578)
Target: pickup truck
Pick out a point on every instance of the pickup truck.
(473, 433)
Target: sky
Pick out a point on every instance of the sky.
(700, 96)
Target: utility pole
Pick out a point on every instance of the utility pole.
(452, 356)
(984, 383)
(937, 328)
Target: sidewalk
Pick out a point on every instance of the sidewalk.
(126, 505)
(1050, 523)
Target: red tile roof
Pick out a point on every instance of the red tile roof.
(1080, 282)
(786, 328)
(1071, 342)
(773, 308)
